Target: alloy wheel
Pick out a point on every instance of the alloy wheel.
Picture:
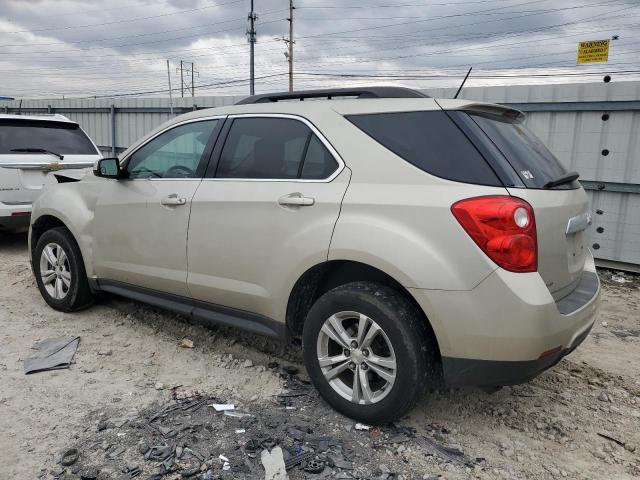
(55, 271)
(356, 357)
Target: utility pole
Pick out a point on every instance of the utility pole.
(181, 81)
(170, 95)
(193, 85)
(184, 77)
(290, 56)
(251, 34)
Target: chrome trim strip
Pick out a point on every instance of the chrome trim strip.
(579, 223)
(49, 166)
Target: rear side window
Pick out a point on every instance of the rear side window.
(529, 157)
(430, 141)
(59, 137)
(318, 162)
(273, 148)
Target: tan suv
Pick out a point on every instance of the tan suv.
(403, 238)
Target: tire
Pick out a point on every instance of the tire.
(68, 290)
(404, 337)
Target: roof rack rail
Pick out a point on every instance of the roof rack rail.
(329, 93)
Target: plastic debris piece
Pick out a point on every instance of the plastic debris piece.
(314, 466)
(233, 414)
(186, 343)
(222, 407)
(52, 354)
(362, 426)
(298, 459)
(240, 430)
(273, 463)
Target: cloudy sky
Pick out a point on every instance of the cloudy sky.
(83, 48)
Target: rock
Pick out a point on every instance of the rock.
(106, 353)
(247, 364)
(630, 447)
(599, 455)
(186, 343)
(603, 397)
(159, 386)
(290, 369)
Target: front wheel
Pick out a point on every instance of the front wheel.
(60, 272)
(368, 352)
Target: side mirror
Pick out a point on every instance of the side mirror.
(108, 168)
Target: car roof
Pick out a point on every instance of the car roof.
(340, 106)
(44, 117)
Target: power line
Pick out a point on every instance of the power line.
(129, 20)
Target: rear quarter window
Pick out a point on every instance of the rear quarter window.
(59, 137)
(431, 141)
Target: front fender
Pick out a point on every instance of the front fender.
(73, 204)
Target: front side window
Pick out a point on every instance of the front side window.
(65, 138)
(273, 148)
(176, 153)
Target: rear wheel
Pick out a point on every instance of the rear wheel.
(367, 351)
(60, 272)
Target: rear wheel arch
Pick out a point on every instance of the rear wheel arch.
(326, 276)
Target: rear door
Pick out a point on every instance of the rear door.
(141, 221)
(265, 214)
(561, 212)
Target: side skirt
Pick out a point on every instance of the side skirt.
(207, 313)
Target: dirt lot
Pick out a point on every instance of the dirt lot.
(118, 400)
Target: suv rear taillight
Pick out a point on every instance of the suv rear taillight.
(503, 227)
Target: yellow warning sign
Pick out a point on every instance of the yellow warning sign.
(593, 51)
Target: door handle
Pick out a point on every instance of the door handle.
(296, 200)
(173, 200)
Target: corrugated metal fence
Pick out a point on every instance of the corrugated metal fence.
(593, 128)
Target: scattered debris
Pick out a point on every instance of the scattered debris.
(620, 279)
(52, 354)
(362, 426)
(613, 439)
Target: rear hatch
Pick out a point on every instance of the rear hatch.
(31, 148)
(559, 202)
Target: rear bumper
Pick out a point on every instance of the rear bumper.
(14, 216)
(492, 373)
(509, 328)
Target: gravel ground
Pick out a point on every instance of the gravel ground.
(133, 387)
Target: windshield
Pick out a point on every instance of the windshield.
(529, 157)
(59, 137)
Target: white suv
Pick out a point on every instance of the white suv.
(402, 238)
(30, 148)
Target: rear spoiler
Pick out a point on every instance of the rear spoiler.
(496, 111)
(46, 166)
(490, 109)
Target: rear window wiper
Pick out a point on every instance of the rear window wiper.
(566, 178)
(38, 150)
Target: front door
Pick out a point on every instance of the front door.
(265, 215)
(141, 221)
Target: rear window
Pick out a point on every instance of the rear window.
(529, 157)
(58, 137)
(431, 141)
